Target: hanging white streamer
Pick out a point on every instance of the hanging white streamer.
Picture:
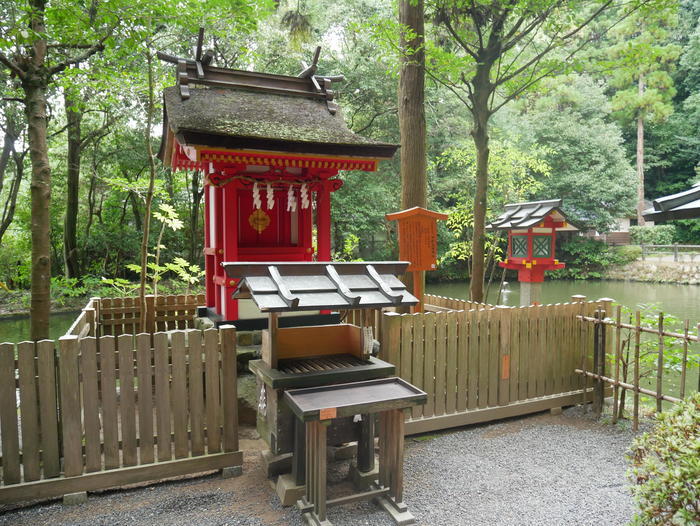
(270, 193)
(211, 167)
(257, 202)
(291, 200)
(304, 196)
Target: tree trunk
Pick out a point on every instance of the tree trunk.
(481, 88)
(411, 95)
(151, 183)
(35, 108)
(640, 159)
(70, 225)
(414, 185)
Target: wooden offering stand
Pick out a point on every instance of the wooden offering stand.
(312, 356)
(317, 407)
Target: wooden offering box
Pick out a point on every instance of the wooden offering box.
(319, 355)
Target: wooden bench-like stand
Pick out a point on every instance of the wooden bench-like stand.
(317, 406)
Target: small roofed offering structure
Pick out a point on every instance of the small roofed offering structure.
(270, 147)
(284, 287)
(532, 236)
(683, 205)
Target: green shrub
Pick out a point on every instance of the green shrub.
(665, 467)
(628, 253)
(585, 258)
(653, 235)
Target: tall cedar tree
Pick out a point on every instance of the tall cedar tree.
(414, 182)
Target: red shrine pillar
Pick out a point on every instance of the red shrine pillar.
(323, 220)
(230, 234)
(209, 244)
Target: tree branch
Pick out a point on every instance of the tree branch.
(99, 46)
(459, 40)
(12, 66)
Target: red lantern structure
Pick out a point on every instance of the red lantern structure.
(532, 229)
(418, 243)
(271, 148)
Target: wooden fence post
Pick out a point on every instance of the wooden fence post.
(227, 334)
(599, 361)
(150, 314)
(390, 338)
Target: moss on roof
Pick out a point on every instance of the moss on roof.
(257, 115)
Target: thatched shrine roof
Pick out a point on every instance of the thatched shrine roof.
(240, 119)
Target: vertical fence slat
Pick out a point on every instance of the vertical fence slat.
(406, 348)
(127, 408)
(637, 338)
(473, 359)
(118, 303)
(549, 350)
(504, 347)
(429, 363)
(211, 351)
(128, 305)
(451, 372)
(462, 360)
(660, 365)
(515, 317)
(179, 393)
(48, 408)
(483, 330)
(29, 409)
(390, 349)
(71, 410)
(196, 392)
(533, 359)
(8, 415)
(417, 357)
(229, 390)
(440, 363)
(144, 376)
(162, 378)
(110, 422)
(91, 406)
(170, 301)
(494, 366)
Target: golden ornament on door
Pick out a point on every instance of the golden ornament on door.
(259, 220)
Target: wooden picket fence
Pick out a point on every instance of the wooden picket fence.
(97, 412)
(489, 362)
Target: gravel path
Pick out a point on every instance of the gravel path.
(538, 470)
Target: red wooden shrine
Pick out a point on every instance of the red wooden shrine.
(532, 236)
(271, 147)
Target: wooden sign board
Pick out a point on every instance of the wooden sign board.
(418, 237)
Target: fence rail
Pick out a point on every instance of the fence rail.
(677, 250)
(96, 412)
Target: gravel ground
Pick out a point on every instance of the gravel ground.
(537, 470)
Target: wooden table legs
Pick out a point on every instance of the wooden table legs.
(316, 473)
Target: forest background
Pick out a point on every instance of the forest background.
(571, 136)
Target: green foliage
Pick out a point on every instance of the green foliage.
(628, 253)
(665, 467)
(348, 252)
(653, 234)
(586, 258)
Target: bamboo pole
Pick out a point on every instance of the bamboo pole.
(642, 329)
(618, 352)
(637, 334)
(584, 340)
(625, 385)
(660, 364)
(684, 362)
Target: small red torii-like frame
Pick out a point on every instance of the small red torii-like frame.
(418, 243)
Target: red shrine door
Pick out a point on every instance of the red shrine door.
(273, 235)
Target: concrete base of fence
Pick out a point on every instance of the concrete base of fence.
(287, 490)
(231, 471)
(71, 499)
(345, 452)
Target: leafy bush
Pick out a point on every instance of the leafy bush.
(586, 258)
(653, 235)
(665, 467)
(628, 253)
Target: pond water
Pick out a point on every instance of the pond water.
(16, 328)
(683, 301)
